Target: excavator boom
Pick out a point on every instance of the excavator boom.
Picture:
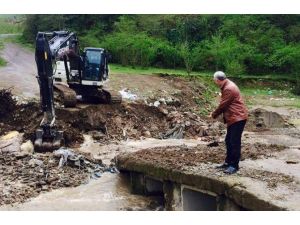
(47, 137)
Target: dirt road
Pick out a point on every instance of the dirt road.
(20, 71)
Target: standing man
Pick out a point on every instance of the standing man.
(235, 115)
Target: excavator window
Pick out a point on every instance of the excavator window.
(93, 61)
(93, 57)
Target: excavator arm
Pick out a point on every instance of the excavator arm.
(47, 137)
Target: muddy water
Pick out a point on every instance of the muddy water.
(109, 192)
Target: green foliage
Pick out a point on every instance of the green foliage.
(91, 39)
(226, 54)
(188, 57)
(125, 24)
(286, 59)
(237, 44)
(10, 26)
(296, 89)
(139, 50)
(2, 61)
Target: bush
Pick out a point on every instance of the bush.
(221, 54)
(167, 55)
(2, 62)
(140, 49)
(91, 39)
(286, 59)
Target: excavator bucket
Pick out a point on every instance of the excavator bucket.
(48, 141)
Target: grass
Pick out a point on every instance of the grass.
(270, 97)
(117, 68)
(20, 41)
(8, 26)
(271, 90)
(2, 61)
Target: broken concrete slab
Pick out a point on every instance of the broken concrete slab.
(11, 142)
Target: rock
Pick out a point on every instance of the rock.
(21, 155)
(162, 100)
(146, 134)
(11, 142)
(187, 123)
(163, 111)
(35, 162)
(27, 147)
(97, 135)
(45, 188)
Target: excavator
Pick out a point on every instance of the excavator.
(80, 76)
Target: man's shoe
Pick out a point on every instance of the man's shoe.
(231, 170)
(223, 166)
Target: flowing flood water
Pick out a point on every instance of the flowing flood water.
(109, 192)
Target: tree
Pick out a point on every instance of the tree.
(188, 57)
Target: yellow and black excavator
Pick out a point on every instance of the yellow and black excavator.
(81, 76)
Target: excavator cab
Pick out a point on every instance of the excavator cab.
(95, 66)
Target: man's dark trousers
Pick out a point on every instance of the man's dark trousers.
(233, 143)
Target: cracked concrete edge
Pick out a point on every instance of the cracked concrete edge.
(219, 185)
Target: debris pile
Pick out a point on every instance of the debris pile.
(126, 94)
(190, 125)
(169, 117)
(7, 103)
(25, 176)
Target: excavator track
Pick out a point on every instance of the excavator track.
(68, 95)
(113, 97)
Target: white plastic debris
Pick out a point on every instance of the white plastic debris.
(156, 103)
(64, 154)
(126, 94)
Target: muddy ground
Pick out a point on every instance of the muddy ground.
(24, 177)
(110, 123)
(178, 157)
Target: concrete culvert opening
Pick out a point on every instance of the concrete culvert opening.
(153, 187)
(198, 201)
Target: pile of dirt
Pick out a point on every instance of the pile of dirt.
(109, 122)
(178, 157)
(23, 177)
(190, 95)
(25, 118)
(7, 103)
(261, 119)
